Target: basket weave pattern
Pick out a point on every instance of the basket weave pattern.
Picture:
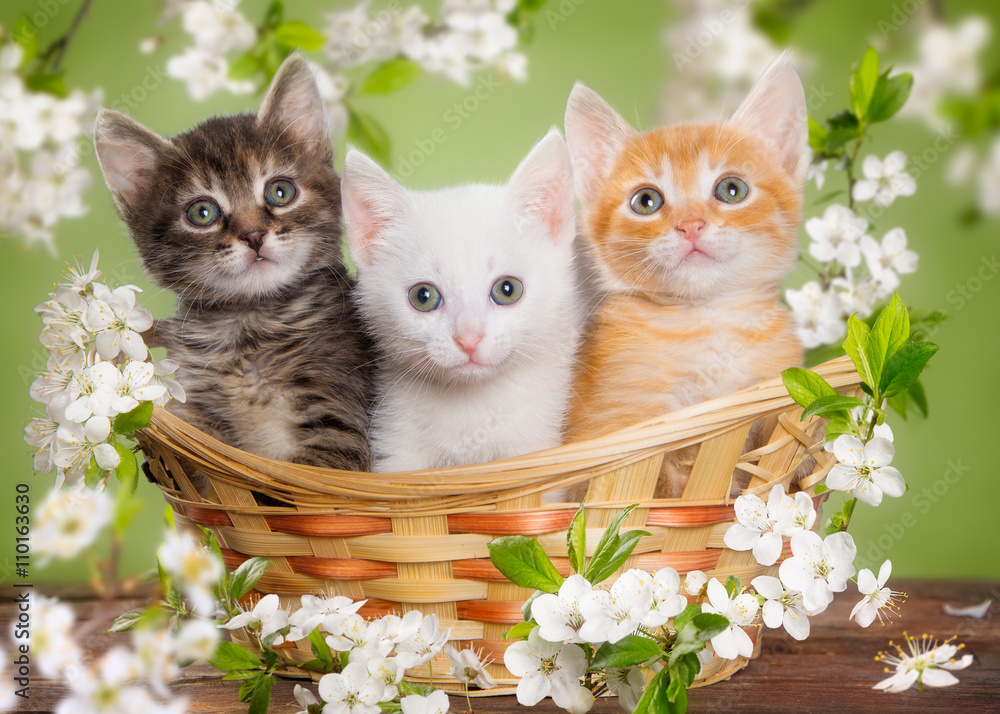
(419, 540)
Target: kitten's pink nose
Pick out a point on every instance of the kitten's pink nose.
(254, 239)
(469, 344)
(691, 228)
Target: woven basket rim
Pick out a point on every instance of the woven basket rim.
(542, 470)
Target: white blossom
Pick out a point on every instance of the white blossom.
(864, 469)
(835, 236)
(197, 640)
(304, 698)
(817, 314)
(877, 598)
(782, 607)
(217, 28)
(548, 669)
(888, 260)
(667, 598)
(885, 180)
(926, 662)
(117, 319)
(740, 609)
(265, 619)
(611, 615)
(628, 684)
(818, 567)
(352, 691)
(434, 703)
(694, 582)
(424, 644)
(558, 615)
(467, 667)
(77, 443)
(50, 637)
(760, 525)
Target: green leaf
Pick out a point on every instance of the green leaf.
(608, 544)
(408, 688)
(523, 561)
(299, 34)
(824, 406)
(856, 346)
(53, 84)
(521, 630)
(249, 686)
(247, 575)
(369, 135)
(903, 368)
(530, 5)
(686, 668)
(818, 135)
(320, 648)
(93, 475)
(136, 419)
(687, 615)
(843, 120)
(241, 674)
(863, 81)
(229, 656)
(805, 386)
(890, 332)
(889, 97)
(526, 607)
(128, 468)
(246, 67)
(275, 12)
(709, 625)
(128, 620)
(211, 541)
(26, 35)
(820, 488)
(836, 427)
(604, 565)
(839, 138)
(576, 542)
(825, 198)
(654, 700)
(629, 651)
(918, 396)
(391, 76)
(127, 507)
(733, 587)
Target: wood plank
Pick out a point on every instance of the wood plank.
(833, 670)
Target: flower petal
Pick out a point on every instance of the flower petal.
(878, 452)
(890, 481)
(767, 549)
(939, 678)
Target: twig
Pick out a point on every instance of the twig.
(59, 47)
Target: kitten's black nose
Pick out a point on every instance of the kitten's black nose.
(254, 239)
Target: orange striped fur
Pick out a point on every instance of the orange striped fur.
(692, 313)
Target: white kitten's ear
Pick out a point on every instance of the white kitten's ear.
(372, 200)
(595, 133)
(293, 103)
(775, 111)
(541, 190)
(128, 154)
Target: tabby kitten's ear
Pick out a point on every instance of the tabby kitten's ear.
(775, 111)
(541, 189)
(293, 103)
(595, 133)
(128, 154)
(371, 201)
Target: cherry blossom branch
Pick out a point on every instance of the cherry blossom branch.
(59, 47)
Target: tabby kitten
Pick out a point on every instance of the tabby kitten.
(471, 296)
(693, 229)
(240, 216)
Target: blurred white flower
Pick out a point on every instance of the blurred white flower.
(53, 647)
(948, 64)
(332, 90)
(740, 609)
(488, 33)
(817, 313)
(817, 173)
(628, 684)
(353, 37)
(205, 73)
(68, 521)
(434, 703)
(217, 28)
(197, 640)
(195, 569)
(926, 663)
(988, 180)
(885, 180)
(835, 236)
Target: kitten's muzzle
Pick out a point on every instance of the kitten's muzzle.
(254, 239)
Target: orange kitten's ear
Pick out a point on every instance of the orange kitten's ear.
(294, 104)
(595, 133)
(775, 111)
(128, 154)
(541, 190)
(371, 200)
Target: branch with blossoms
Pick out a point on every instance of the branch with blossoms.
(359, 52)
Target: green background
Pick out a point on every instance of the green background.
(945, 526)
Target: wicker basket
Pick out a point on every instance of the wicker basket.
(419, 540)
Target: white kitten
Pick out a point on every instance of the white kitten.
(471, 296)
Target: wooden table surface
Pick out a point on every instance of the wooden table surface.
(832, 671)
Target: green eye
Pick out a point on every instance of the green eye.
(203, 213)
(424, 297)
(731, 190)
(280, 192)
(646, 201)
(506, 291)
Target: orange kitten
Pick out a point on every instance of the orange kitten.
(693, 229)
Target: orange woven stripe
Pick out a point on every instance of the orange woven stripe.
(341, 568)
(683, 561)
(232, 558)
(690, 516)
(510, 523)
(207, 516)
(325, 526)
(483, 569)
(501, 612)
(374, 607)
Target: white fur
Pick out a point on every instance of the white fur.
(435, 407)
